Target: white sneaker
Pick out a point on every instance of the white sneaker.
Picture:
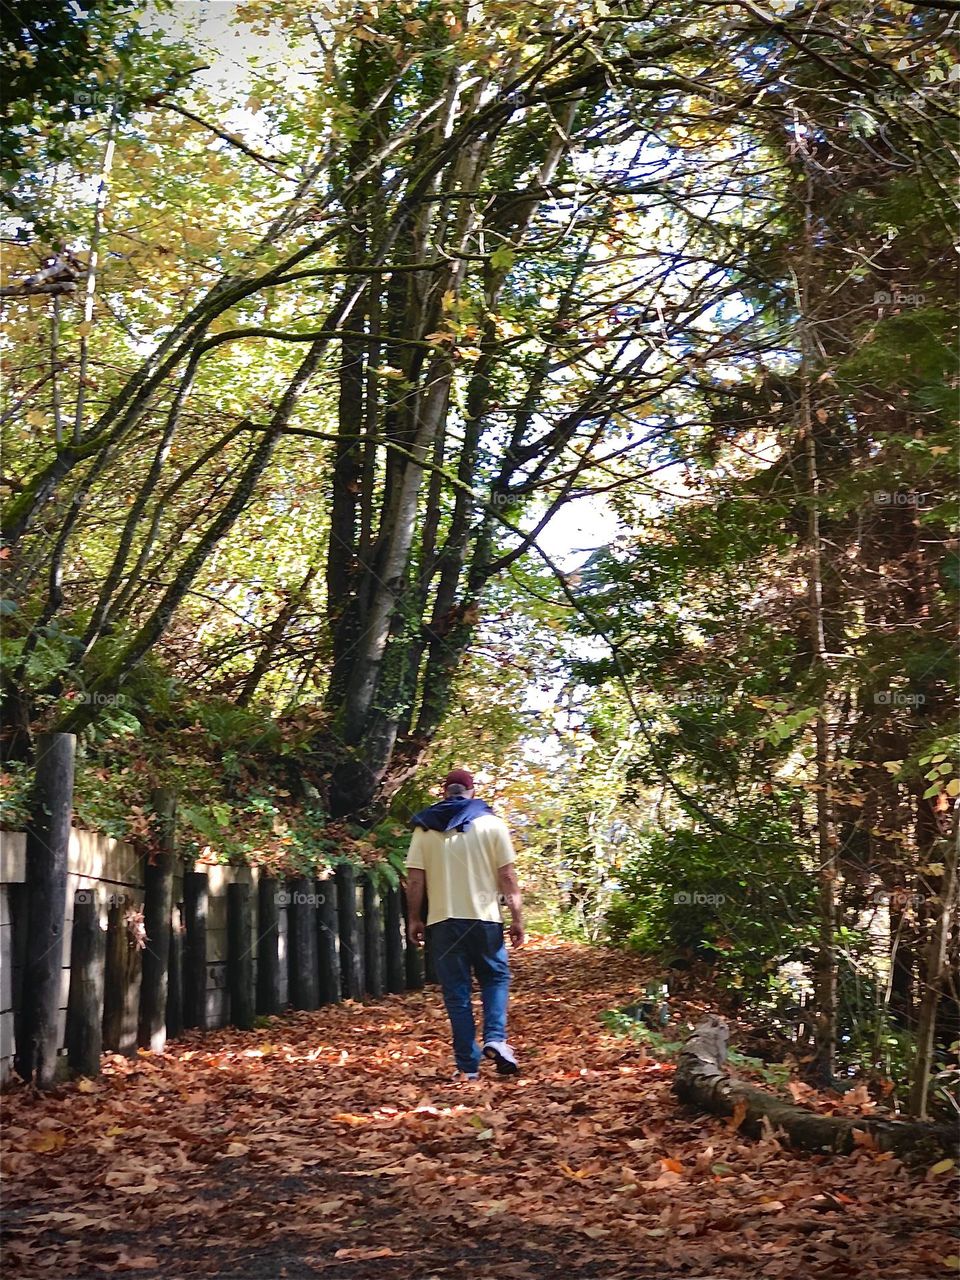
(503, 1056)
(459, 1077)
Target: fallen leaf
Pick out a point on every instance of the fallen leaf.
(50, 1140)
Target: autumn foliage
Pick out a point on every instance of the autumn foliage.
(332, 1144)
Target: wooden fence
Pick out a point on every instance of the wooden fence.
(140, 951)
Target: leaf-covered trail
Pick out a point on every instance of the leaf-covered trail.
(331, 1145)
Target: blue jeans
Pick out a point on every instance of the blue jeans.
(459, 949)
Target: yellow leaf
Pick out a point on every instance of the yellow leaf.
(85, 328)
(36, 418)
(942, 1166)
(48, 1141)
(953, 787)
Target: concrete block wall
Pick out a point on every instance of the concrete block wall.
(115, 870)
(218, 987)
(13, 860)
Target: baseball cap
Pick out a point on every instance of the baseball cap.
(463, 776)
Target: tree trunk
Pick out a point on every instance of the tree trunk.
(935, 969)
(825, 966)
(701, 1081)
(48, 842)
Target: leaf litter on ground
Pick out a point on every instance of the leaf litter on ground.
(333, 1144)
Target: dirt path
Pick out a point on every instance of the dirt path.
(329, 1144)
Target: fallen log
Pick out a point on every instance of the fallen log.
(702, 1081)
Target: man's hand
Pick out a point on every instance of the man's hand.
(509, 886)
(416, 892)
(417, 932)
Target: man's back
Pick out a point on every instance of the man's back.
(461, 860)
(461, 868)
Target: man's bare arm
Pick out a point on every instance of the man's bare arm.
(509, 886)
(416, 884)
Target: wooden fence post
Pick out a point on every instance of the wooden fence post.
(48, 842)
(240, 955)
(268, 947)
(328, 941)
(304, 974)
(174, 1010)
(351, 956)
(413, 956)
(195, 898)
(85, 1002)
(374, 959)
(361, 936)
(157, 913)
(121, 971)
(395, 935)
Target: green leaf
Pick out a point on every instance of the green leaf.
(502, 259)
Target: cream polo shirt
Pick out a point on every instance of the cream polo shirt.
(461, 868)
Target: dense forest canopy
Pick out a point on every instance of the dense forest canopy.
(321, 321)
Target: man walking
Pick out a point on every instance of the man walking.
(462, 856)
